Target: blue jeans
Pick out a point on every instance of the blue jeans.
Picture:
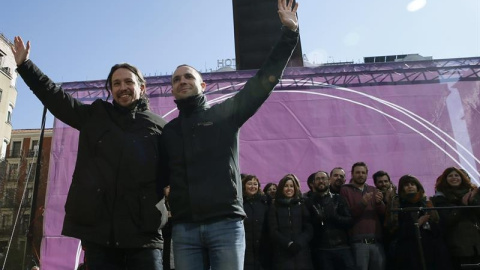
(106, 258)
(216, 245)
(369, 256)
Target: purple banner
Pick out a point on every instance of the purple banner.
(405, 118)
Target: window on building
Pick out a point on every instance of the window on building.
(2, 57)
(6, 221)
(32, 168)
(24, 223)
(1, 92)
(4, 149)
(9, 196)
(15, 149)
(9, 114)
(34, 149)
(12, 172)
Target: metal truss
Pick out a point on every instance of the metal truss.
(350, 75)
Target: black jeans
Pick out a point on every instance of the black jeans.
(107, 258)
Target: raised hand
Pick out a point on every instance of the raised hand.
(20, 52)
(288, 14)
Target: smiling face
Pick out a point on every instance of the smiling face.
(289, 189)
(454, 179)
(251, 187)
(383, 183)
(186, 82)
(125, 87)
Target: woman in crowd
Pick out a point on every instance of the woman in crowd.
(403, 226)
(290, 227)
(270, 190)
(256, 235)
(461, 226)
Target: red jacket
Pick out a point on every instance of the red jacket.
(366, 217)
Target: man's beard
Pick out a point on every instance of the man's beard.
(321, 190)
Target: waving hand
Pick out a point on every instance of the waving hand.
(20, 52)
(288, 14)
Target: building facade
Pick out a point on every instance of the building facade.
(17, 175)
(8, 92)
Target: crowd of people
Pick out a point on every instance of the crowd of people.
(339, 225)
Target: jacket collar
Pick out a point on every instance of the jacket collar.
(192, 104)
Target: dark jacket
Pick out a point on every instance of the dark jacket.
(112, 197)
(331, 220)
(256, 233)
(202, 144)
(402, 226)
(461, 226)
(289, 220)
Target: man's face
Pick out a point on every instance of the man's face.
(320, 184)
(382, 183)
(359, 175)
(337, 178)
(125, 87)
(186, 82)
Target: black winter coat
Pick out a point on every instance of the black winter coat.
(461, 226)
(406, 251)
(201, 144)
(112, 197)
(331, 220)
(289, 220)
(257, 255)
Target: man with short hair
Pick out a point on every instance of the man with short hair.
(311, 187)
(331, 220)
(366, 206)
(382, 181)
(201, 154)
(337, 179)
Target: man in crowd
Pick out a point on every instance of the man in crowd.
(382, 181)
(311, 188)
(366, 206)
(201, 155)
(337, 179)
(331, 220)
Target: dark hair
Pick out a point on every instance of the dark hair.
(380, 174)
(247, 178)
(359, 164)
(336, 168)
(442, 185)
(267, 186)
(133, 69)
(406, 179)
(282, 183)
(185, 65)
(311, 178)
